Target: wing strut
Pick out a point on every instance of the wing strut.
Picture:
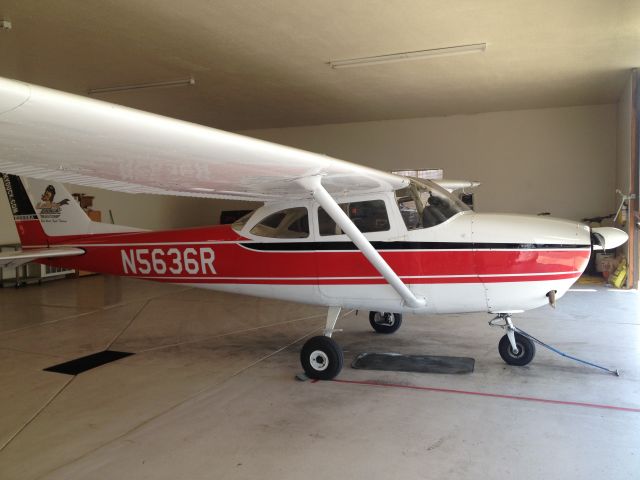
(326, 201)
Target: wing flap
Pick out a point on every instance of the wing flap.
(55, 135)
(20, 257)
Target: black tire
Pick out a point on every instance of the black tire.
(385, 322)
(321, 358)
(526, 350)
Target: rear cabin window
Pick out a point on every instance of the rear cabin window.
(368, 216)
(288, 223)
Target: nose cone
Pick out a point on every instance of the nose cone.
(607, 238)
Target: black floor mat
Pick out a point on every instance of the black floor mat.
(396, 362)
(82, 364)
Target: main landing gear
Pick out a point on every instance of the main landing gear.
(385, 322)
(322, 357)
(514, 348)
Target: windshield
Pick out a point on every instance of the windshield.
(424, 204)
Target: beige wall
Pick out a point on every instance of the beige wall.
(158, 212)
(560, 160)
(154, 212)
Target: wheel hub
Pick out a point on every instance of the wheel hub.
(517, 354)
(385, 319)
(319, 360)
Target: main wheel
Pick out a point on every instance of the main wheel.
(321, 358)
(526, 350)
(385, 322)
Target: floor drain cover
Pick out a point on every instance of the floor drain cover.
(82, 364)
(397, 362)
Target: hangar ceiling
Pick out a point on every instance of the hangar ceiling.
(260, 64)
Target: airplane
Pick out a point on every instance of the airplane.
(329, 233)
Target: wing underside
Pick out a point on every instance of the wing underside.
(64, 137)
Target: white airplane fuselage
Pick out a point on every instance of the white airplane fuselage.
(472, 262)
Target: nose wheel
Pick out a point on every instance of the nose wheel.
(514, 348)
(520, 356)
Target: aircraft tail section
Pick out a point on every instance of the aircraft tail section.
(45, 212)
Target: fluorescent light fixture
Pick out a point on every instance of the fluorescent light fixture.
(415, 55)
(201, 189)
(141, 86)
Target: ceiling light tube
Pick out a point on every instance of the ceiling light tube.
(404, 56)
(140, 86)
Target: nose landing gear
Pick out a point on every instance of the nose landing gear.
(514, 348)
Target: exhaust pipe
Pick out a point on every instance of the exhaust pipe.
(551, 295)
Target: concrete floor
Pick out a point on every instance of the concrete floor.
(211, 392)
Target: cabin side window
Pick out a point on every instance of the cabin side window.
(368, 216)
(242, 221)
(287, 223)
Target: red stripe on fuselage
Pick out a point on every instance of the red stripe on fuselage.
(235, 264)
(362, 281)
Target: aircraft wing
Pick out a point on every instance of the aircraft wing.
(17, 258)
(453, 185)
(53, 135)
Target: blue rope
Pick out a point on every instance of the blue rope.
(540, 342)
